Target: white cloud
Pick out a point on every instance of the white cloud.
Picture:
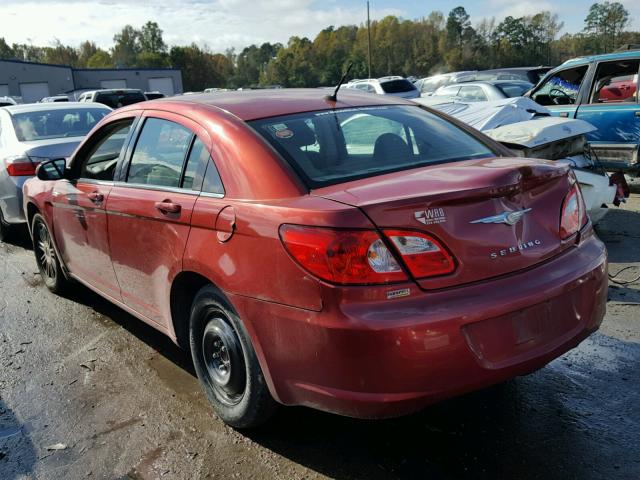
(220, 24)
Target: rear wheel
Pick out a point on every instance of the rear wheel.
(226, 363)
(46, 256)
(5, 229)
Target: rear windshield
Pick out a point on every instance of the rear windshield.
(514, 89)
(120, 99)
(397, 86)
(335, 146)
(58, 123)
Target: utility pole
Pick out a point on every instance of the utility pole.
(369, 36)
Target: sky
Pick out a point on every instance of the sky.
(222, 24)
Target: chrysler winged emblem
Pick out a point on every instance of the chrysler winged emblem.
(508, 218)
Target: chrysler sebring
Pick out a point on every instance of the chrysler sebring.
(361, 255)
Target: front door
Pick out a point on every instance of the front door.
(80, 220)
(560, 92)
(150, 212)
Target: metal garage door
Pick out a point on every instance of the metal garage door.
(162, 85)
(4, 90)
(113, 84)
(32, 92)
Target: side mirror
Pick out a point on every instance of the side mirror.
(51, 169)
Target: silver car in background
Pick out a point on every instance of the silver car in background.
(485, 91)
(30, 134)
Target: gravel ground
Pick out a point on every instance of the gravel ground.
(118, 400)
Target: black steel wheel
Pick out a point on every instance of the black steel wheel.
(226, 362)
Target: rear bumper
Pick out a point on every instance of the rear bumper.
(11, 198)
(387, 358)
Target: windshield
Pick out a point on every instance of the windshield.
(514, 89)
(58, 123)
(336, 146)
(397, 86)
(120, 99)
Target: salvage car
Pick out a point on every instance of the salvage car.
(367, 270)
(31, 134)
(602, 90)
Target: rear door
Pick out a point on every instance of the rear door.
(612, 104)
(150, 211)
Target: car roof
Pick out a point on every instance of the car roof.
(626, 55)
(518, 69)
(35, 107)
(108, 90)
(254, 104)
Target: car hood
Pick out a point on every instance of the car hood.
(540, 131)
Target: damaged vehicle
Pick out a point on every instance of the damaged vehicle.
(529, 130)
(602, 90)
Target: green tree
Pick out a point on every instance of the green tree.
(605, 22)
(150, 39)
(126, 47)
(100, 59)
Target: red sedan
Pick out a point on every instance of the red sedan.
(364, 256)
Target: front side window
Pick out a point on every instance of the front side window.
(100, 163)
(562, 88)
(335, 146)
(616, 82)
(159, 154)
(57, 123)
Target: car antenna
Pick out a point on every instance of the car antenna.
(334, 97)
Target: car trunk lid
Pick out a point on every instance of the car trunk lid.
(469, 207)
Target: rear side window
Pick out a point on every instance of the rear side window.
(472, 94)
(335, 146)
(616, 82)
(398, 86)
(120, 99)
(514, 89)
(196, 165)
(159, 154)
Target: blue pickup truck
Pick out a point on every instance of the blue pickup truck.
(602, 90)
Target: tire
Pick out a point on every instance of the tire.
(5, 229)
(46, 256)
(226, 363)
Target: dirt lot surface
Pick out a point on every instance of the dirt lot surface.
(120, 401)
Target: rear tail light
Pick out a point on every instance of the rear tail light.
(342, 256)
(423, 255)
(573, 216)
(362, 257)
(20, 166)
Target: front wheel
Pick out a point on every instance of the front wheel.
(226, 362)
(46, 256)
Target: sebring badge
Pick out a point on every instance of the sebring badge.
(508, 218)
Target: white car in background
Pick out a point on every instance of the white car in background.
(427, 86)
(394, 85)
(6, 101)
(484, 91)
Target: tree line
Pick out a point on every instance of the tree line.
(420, 47)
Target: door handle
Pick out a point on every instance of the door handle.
(168, 207)
(637, 113)
(564, 114)
(96, 197)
